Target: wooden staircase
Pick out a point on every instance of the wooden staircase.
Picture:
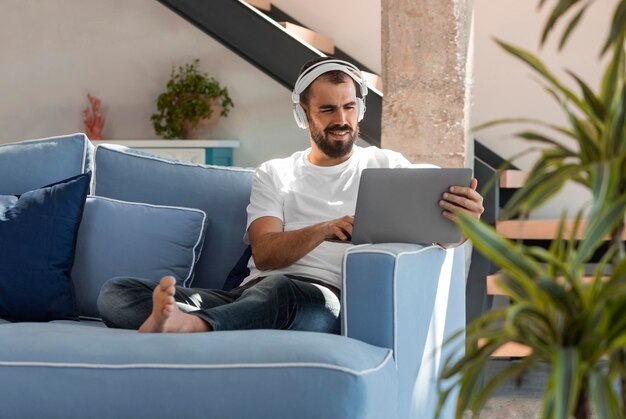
(316, 40)
(535, 232)
(264, 5)
(512, 179)
(509, 180)
(494, 289)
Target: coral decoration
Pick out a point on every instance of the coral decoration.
(93, 120)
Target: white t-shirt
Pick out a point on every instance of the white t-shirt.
(301, 194)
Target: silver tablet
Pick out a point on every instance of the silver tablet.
(402, 205)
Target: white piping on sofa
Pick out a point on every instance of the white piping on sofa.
(350, 371)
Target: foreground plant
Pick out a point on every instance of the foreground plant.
(575, 327)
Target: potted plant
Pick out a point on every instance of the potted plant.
(192, 100)
(575, 327)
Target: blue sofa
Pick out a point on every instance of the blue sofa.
(400, 302)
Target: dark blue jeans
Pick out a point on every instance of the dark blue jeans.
(274, 302)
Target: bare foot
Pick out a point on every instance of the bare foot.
(166, 316)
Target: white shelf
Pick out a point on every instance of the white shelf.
(172, 143)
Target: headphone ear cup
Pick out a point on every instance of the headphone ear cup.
(300, 116)
(360, 104)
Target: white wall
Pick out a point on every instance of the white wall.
(504, 87)
(53, 53)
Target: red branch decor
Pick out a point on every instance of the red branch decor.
(93, 120)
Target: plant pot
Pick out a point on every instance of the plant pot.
(203, 128)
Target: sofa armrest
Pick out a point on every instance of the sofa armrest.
(410, 298)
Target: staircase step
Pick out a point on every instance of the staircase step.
(539, 229)
(321, 42)
(373, 80)
(510, 350)
(534, 229)
(513, 179)
(260, 4)
(494, 289)
(492, 285)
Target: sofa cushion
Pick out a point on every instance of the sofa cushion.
(104, 373)
(118, 238)
(32, 164)
(37, 241)
(222, 192)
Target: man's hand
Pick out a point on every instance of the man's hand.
(462, 199)
(274, 248)
(340, 228)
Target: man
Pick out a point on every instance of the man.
(297, 204)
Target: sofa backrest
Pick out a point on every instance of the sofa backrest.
(29, 165)
(222, 193)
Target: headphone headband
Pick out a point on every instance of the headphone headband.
(310, 74)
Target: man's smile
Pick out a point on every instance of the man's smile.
(339, 134)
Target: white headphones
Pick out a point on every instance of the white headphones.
(310, 74)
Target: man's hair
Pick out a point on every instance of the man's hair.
(333, 76)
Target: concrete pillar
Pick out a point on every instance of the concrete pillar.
(427, 96)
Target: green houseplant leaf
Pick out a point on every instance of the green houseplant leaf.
(562, 7)
(536, 64)
(566, 379)
(188, 97)
(603, 398)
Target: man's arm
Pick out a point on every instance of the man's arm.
(274, 248)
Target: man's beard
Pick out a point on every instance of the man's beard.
(334, 149)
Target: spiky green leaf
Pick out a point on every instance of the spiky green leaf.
(539, 187)
(605, 404)
(562, 7)
(589, 150)
(541, 138)
(565, 377)
(502, 251)
(619, 271)
(560, 298)
(514, 288)
(535, 63)
(530, 325)
(612, 75)
(590, 97)
(618, 26)
(616, 134)
(599, 227)
(570, 27)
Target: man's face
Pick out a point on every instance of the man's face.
(332, 116)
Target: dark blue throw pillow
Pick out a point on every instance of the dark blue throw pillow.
(239, 272)
(37, 238)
